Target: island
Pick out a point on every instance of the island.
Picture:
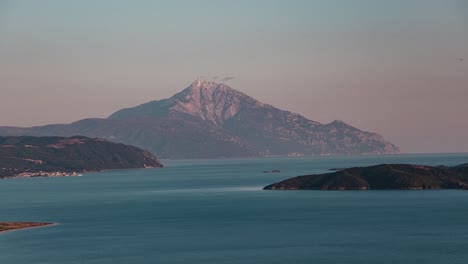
(9, 226)
(27, 156)
(381, 177)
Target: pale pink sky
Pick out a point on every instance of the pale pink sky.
(399, 68)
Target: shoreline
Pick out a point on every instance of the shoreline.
(59, 174)
(17, 226)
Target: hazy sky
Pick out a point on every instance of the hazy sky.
(399, 68)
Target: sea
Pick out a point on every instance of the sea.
(215, 211)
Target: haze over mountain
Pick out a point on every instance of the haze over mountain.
(211, 120)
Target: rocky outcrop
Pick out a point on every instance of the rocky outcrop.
(211, 120)
(380, 177)
(58, 156)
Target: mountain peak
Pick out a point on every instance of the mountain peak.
(199, 83)
(208, 87)
(211, 101)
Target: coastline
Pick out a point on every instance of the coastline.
(16, 226)
(42, 174)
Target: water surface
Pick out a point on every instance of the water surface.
(214, 211)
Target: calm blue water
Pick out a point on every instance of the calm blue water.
(214, 211)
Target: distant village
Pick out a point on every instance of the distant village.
(44, 174)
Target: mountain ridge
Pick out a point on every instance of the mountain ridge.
(212, 120)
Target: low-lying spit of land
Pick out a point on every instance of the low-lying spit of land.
(10, 226)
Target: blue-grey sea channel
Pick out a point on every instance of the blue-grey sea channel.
(215, 211)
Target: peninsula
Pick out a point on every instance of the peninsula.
(381, 177)
(9, 226)
(27, 156)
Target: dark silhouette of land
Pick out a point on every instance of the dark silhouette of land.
(59, 156)
(381, 177)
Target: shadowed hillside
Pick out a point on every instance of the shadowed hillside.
(380, 177)
(74, 154)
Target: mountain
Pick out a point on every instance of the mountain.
(27, 154)
(211, 120)
(380, 177)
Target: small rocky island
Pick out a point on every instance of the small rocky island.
(9, 226)
(26, 156)
(381, 177)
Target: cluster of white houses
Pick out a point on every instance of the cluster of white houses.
(46, 174)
